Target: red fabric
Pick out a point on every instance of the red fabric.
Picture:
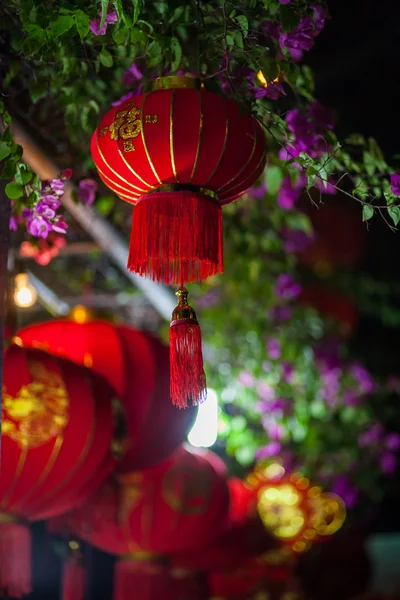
(136, 364)
(176, 237)
(15, 560)
(176, 506)
(188, 586)
(188, 380)
(208, 138)
(331, 303)
(73, 580)
(142, 580)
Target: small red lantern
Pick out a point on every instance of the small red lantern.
(146, 516)
(57, 439)
(136, 364)
(179, 153)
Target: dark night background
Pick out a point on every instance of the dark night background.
(356, 64)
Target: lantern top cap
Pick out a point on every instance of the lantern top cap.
(173, 82)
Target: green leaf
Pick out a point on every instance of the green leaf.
(26, 177)
(37, 89)
(61, 25)
(154, 51)
(244, 24)
(105, 58)
(4, 150)
(288, 18)
(394, 212)
(104, 8)
(367, 212)
(369, 163)
(137, 36)
(34, 41)
(14, 190)
(311, 171)
(104, 205)
(137, 7)
(119, 10)
(229, 40)
(177, 50)
(82, 23)
(355, 139)
(273, 179)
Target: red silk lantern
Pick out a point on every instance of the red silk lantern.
(178, 154)
(136, 364)
(57, 437)
(148, 515)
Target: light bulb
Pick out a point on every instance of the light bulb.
(205, 429)
(25, 294)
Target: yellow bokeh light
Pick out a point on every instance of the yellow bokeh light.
(25, 294)
(274, 471)
(80, 314)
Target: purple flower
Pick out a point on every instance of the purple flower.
(57, 185)
(370, 436)
(13, 223)
(325, 186)
(388, 463)
(284, 1)
(286, 287)
(327, 355)
(246, 379)
(321, 15)
(301, 38)
(111, 17)
(128, 96)
(258, 192)
(273, 348)
(275, 431)
(59, 225)
(309, 129)
(132, 75)
(351, 398)
(343, 488)
(271, 449)
(281, 314)
(295, 241)
(287, 371)
(392, 441)
(363, 378)
(289, 193)
(265, 391)
(395, 184)
(209, 299)
(288, 153)
(87, 191)
(38, 227)
(272, 29)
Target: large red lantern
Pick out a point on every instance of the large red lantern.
(146, 516)
(136, 364)
(57, 440)
(179, 153)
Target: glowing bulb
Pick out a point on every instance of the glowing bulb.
(205, 429)
(25, 294)
(261, 78)
(80, 314)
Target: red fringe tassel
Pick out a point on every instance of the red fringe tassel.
(15, 560)
(176, 237)
(141, 581)
(187, 377)
(73, 580)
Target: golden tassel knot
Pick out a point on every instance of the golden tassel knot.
(183, 310)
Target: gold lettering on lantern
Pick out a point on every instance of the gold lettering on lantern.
(131, 493)
(103, 131)
(39, 412)
(128, 125)
(128, 146)
(187, 491)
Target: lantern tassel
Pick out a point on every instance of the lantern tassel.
(187, 377)
(73, 579)
(176, 235)
(15, 559)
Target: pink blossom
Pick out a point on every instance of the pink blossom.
(271, 449)
(344, 488)
(128, 96)
(395, 184)
(265, 391)
(246, 379)
(273, 348)
(38, 227)
(13, 223)
(286, 287)
(111, 17)
(392, 441)
(132, 75)
(87, 191)
(388, 463)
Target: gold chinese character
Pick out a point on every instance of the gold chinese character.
(103, 131)
(128, 146)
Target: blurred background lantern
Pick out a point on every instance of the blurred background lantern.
(57, 437)
(294, 510)
(331, 304)
(136, 364)
(331, 223)
(146, 516)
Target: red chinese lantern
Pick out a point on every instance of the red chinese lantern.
(136, 364)
(57, 440)
(148, 515)
(179, 153)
